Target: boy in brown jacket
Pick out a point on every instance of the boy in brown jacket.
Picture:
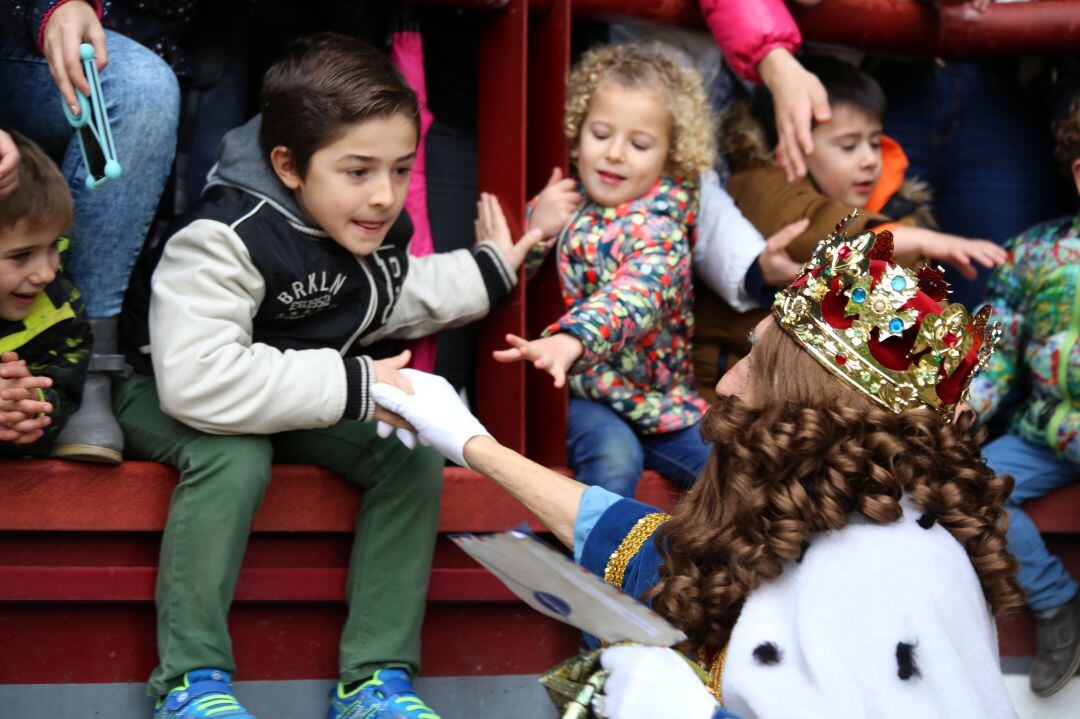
(853, 166)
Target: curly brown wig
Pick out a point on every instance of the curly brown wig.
(797, 453)
(693, 134)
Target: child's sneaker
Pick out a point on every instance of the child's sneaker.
(204, 694)
(387, 695)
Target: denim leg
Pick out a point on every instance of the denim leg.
(679, 456)
(603, 449)
(143, 101)
(1037, 471)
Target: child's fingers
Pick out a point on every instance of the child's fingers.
(29, 437)
(400, 360)
(560, 376)
(510, 355)
(787, 234)
(30, 425)
(530, 239)
(33, 407)
(14, 370)
(9, 357)
(556, 175)
(963, 264)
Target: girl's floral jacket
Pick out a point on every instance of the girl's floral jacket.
(1036, 296)
(627, 286)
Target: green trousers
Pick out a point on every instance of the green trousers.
(222, 481)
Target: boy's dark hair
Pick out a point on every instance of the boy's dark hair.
(845, 84)
(323, 83)
(1067, 136)
(42, 196)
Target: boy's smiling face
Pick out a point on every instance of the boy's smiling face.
(29, 258)
(355, 187)
(846, 162)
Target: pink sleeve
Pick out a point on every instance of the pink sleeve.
(747, 30)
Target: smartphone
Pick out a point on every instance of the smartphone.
(93, 128)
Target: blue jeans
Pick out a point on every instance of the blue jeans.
(1037, 470)
(605, 451)
(986, 152)
(111, 224)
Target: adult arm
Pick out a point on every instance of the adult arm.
(758, 39)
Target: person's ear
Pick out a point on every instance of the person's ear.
(1076, 174)
(281, 159)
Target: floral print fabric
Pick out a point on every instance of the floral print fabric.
(1036, 297)
(626, 284)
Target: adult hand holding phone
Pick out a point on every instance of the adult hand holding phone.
(71, 24)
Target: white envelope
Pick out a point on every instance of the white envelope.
(552, 584)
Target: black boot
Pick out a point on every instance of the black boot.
(92, 433)
(1057, 637)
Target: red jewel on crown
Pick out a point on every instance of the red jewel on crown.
(883, 247)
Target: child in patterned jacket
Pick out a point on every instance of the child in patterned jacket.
(1036, 295)
(640, 136)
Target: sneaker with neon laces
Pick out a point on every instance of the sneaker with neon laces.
(204, 694)
(387, 695)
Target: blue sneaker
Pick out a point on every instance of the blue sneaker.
(387, 695)
(204, 694)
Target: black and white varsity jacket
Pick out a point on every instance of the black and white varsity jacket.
(254, 322)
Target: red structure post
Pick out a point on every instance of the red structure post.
(501, 170)
(549, 69)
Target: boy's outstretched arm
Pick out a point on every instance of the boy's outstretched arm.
(449, 289)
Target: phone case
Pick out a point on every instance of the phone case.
(93, 128)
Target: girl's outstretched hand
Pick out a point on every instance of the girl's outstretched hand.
(490, 226)
(554, 354)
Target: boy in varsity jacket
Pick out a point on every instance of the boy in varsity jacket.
(252, 330)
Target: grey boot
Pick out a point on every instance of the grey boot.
(92, 433)
(1057, 638)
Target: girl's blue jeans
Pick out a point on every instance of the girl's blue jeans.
(605, 451)
(111, 224)
(1037, 471)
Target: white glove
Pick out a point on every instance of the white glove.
(436, 411)
(653, 683)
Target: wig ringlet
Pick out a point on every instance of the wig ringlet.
(801, 455)
(693, 127)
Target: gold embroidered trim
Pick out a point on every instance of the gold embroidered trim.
(630, 546)
(716, 675)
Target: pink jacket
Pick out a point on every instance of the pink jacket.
(746, 30)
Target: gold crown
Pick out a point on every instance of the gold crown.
(884, 329)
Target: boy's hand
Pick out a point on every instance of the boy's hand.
(555, 204)
(389, 371)
(554, 354)
(777, 267)
(23, 417)
(959, 252)
(490, 225)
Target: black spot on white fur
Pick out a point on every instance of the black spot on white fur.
(905, 661)
(927, 519)
(803, 546)
(767, 653)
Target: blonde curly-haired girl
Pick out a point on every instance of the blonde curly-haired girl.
(641, 134)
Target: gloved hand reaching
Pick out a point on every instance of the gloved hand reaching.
(436, 411)
(653, 683)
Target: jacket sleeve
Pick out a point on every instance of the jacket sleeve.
(747, 30)
(1006, 293)
(25, 22)
(770, 203)
(447, 289)
(628, 306)
(210, 374)
(727, 246)
(62, 354)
